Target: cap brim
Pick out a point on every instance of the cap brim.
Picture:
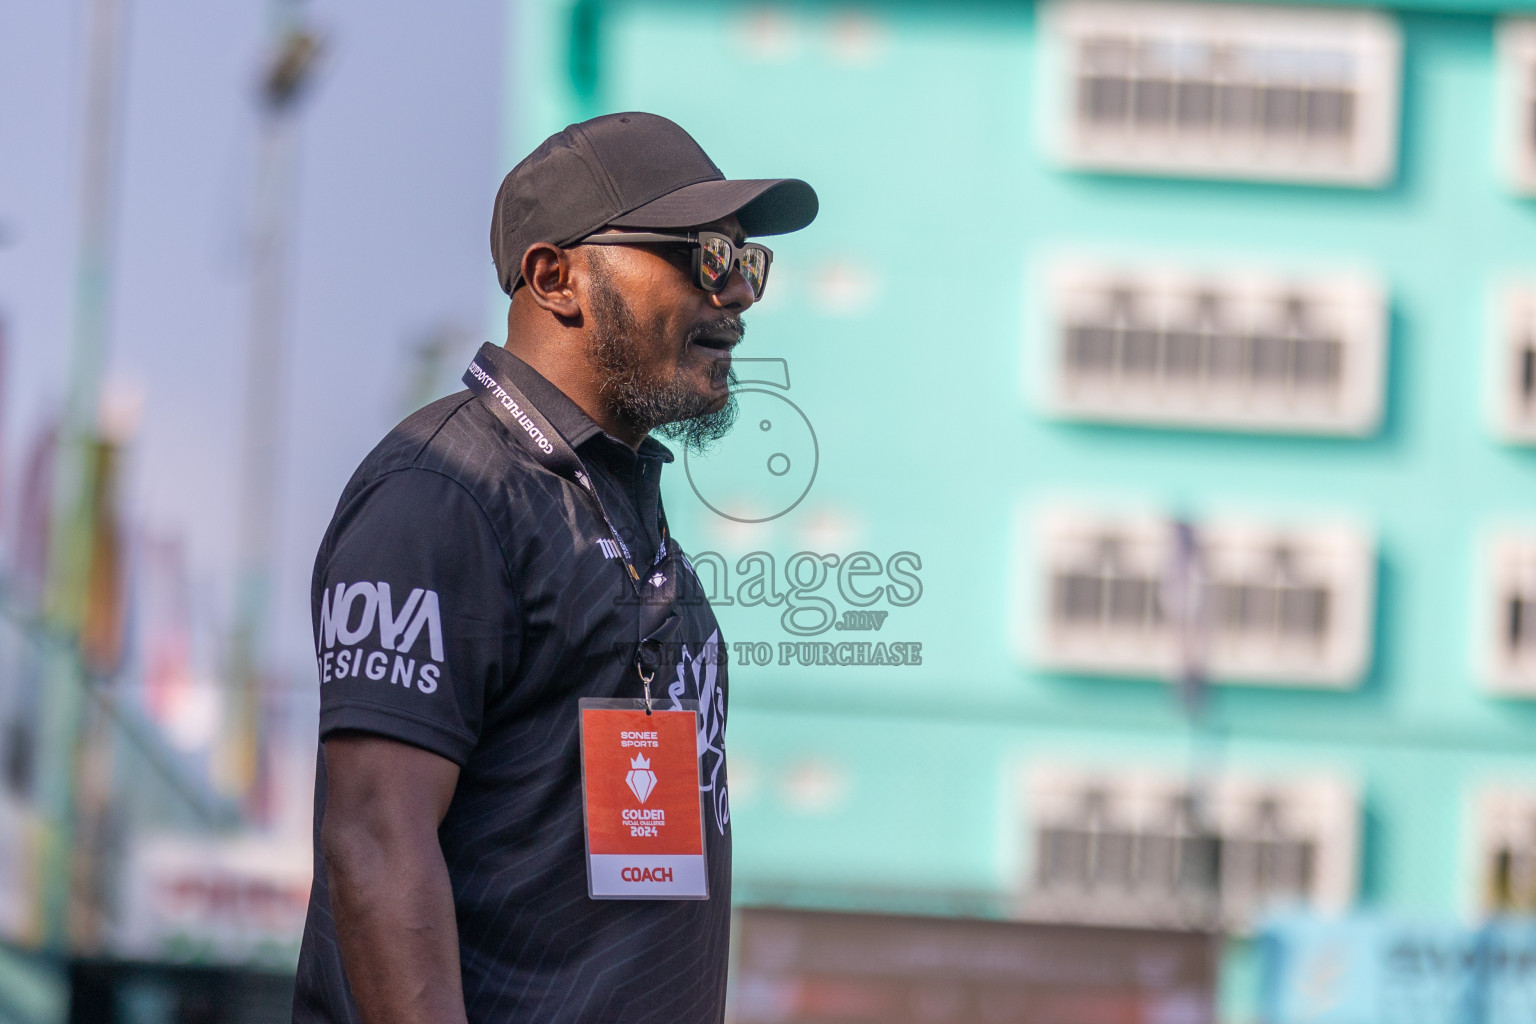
(765, 206)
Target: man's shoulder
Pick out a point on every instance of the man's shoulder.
(439, 475)
(448, 461)
(454, 437)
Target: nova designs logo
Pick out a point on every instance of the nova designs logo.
(348, 617)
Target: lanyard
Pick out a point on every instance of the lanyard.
(555, 454)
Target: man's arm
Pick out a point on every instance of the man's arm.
(390, 894)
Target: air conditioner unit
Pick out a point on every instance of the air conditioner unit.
(1101, 598)
(1509, 632)
(1223, 90)
(1516, 102)
(1116, 847)
(1287, 841)
(1506, 854)
(1229, 351)
(1149, 848)
(1289, 605)
(1514, 363)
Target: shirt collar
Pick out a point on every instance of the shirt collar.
(563, 414)
(651, 448)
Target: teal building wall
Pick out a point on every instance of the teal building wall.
(918, 124)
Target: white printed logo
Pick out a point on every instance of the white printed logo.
(348, 615)
(640, 778)
(702, 671)
(608, 548)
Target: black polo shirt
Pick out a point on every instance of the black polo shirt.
(464, 599)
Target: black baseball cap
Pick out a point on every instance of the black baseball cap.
(630, 170)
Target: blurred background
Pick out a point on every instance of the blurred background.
(1127, 546)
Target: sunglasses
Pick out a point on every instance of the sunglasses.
(714, 256)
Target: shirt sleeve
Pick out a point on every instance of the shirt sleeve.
(414, 615)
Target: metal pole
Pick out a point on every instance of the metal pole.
(69, 549)
(1184, 597)
(294, 51)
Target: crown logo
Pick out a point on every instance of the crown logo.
(641, 780)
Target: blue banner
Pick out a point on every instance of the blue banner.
(1376, 970)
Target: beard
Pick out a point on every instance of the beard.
(655, 400)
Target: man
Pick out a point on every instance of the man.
(502, 555)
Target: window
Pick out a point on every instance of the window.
(1143, 848)
(1514, 357)
(1276, 605)
(1229, 351)
(1223, 90)
(1510, 634)
(1507, 856)
(1517, 101)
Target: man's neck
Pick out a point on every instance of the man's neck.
(564, 364)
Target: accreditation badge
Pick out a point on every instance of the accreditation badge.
(641, 801)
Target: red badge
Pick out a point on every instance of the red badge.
(640, 780)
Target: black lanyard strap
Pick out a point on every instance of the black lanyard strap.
(514, 409)
(541, 440)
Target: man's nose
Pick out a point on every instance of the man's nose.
(736, 295)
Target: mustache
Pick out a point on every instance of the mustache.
(725, 323)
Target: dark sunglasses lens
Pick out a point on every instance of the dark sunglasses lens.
(754, 267)
(714, 262)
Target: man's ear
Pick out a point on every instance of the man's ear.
(547, 269)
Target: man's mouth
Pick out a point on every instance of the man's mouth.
(718, 336)
(721, 342)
